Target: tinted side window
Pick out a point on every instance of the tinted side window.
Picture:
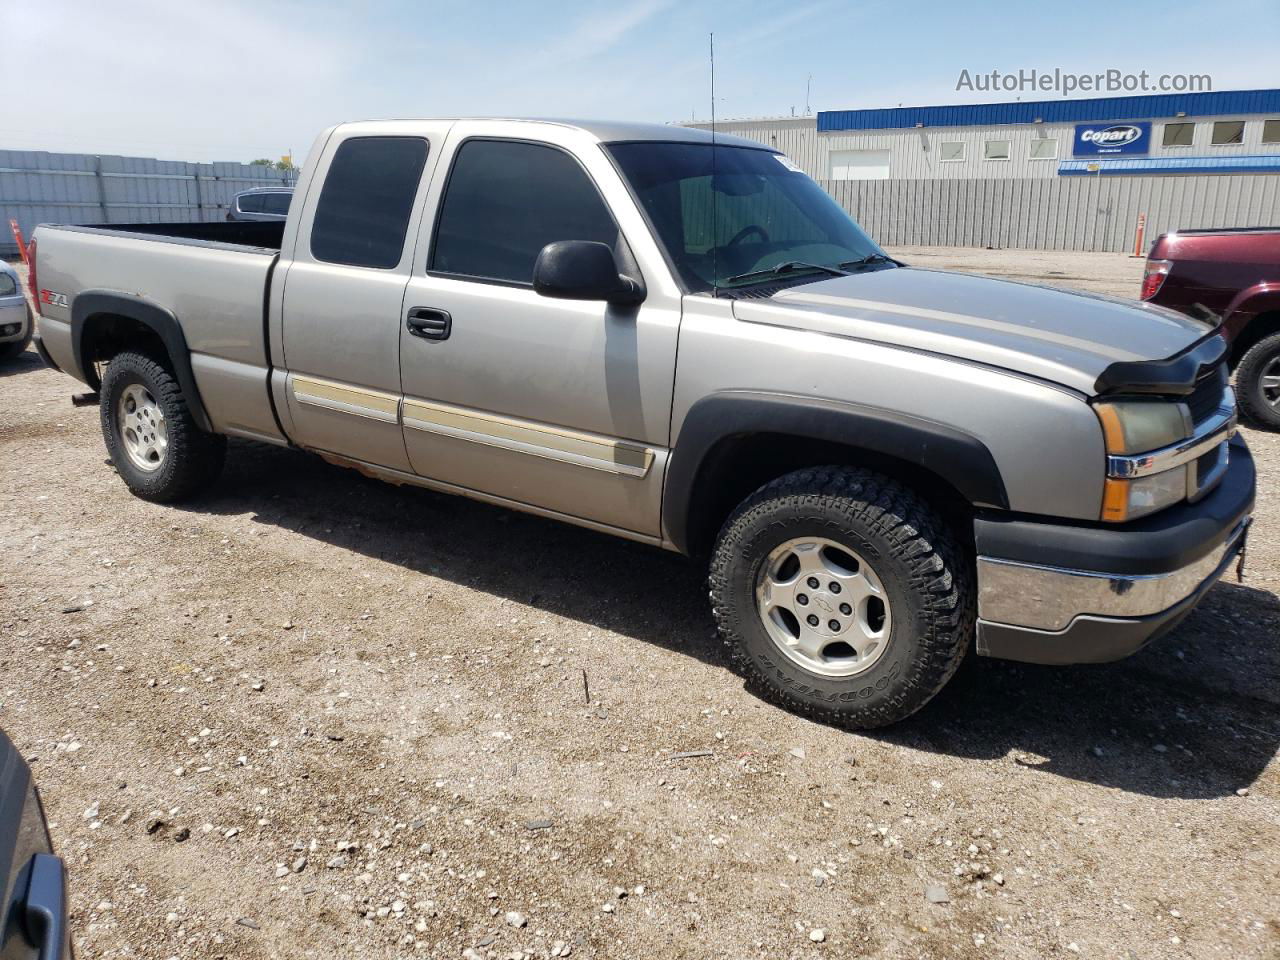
(251, 203)
(505, 201)
(367, 199)
(276, 203)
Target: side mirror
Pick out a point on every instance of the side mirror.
(583, 270)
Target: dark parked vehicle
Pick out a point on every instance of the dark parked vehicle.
(1234, 273)
(32, 880)
(263, 203)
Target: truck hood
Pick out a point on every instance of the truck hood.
(1063, 336)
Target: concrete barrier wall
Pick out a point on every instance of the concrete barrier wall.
(39, 187)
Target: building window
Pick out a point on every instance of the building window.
(1179, 134)
(1044, 149)
(858, 165)
(995, 150)
(1271, 131)
(1228, 132)
(951, 151)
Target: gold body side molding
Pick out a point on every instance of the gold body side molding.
(359, 402)
(553, 443)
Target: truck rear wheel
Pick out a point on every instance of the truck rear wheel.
(842, 595)
(154, 443)
(1258, 382)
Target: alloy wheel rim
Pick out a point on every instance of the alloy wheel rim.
(143, 428)
(823, 606)
(1270, 383)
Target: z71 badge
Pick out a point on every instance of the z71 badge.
(53, 299)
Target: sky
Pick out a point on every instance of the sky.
(235, 80)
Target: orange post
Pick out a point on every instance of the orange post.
(17, 238)
(1137, 237)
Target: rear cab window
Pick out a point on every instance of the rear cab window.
(507, 199)
(367, 200)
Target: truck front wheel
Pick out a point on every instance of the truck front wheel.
(154, 443)
(842, 595)
(1258, 381)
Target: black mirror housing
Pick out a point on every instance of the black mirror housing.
(583, 270)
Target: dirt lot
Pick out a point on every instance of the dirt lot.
(318, 716)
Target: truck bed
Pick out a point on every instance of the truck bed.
(260, 235)
(213, 277)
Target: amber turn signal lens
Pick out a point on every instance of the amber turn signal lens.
(1115, 500)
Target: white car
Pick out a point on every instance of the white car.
(15, 315)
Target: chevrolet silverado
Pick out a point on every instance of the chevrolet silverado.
(681, 339)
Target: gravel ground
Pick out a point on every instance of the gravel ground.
(316, 715)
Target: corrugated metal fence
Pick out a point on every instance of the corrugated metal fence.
(39, 187)
(1065, 213)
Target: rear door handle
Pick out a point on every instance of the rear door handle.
(429, 323)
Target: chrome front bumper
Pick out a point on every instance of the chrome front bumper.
(1087, 593)
(1050, 598)
(13, 314)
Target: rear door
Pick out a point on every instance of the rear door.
(32, 880)
(345, 284)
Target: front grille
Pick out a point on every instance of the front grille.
(1206, 398)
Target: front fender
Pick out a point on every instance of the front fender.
(961, 460)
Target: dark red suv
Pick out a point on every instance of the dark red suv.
(1234, 273)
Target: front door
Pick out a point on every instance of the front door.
(561, 405)
(344, 290)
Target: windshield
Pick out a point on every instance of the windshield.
(758, 220)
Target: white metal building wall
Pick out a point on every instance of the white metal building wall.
(914, 152)
(1068, 213)
(1023, 202)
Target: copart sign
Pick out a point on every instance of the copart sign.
(1107, 139)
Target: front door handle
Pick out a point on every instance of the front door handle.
(429, 323)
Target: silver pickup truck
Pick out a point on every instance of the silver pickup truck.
(685, 342)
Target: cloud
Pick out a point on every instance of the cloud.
(598, 33)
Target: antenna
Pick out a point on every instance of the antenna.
(807, 84)
(715, 218)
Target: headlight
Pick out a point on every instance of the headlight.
(1135, 427)
(1129, 499)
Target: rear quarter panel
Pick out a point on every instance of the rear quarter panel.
(217, 292)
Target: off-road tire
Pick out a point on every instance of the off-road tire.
(1249, 371)
(926, 574)
(193, 459)
(14, 348)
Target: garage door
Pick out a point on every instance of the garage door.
(859, 165)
